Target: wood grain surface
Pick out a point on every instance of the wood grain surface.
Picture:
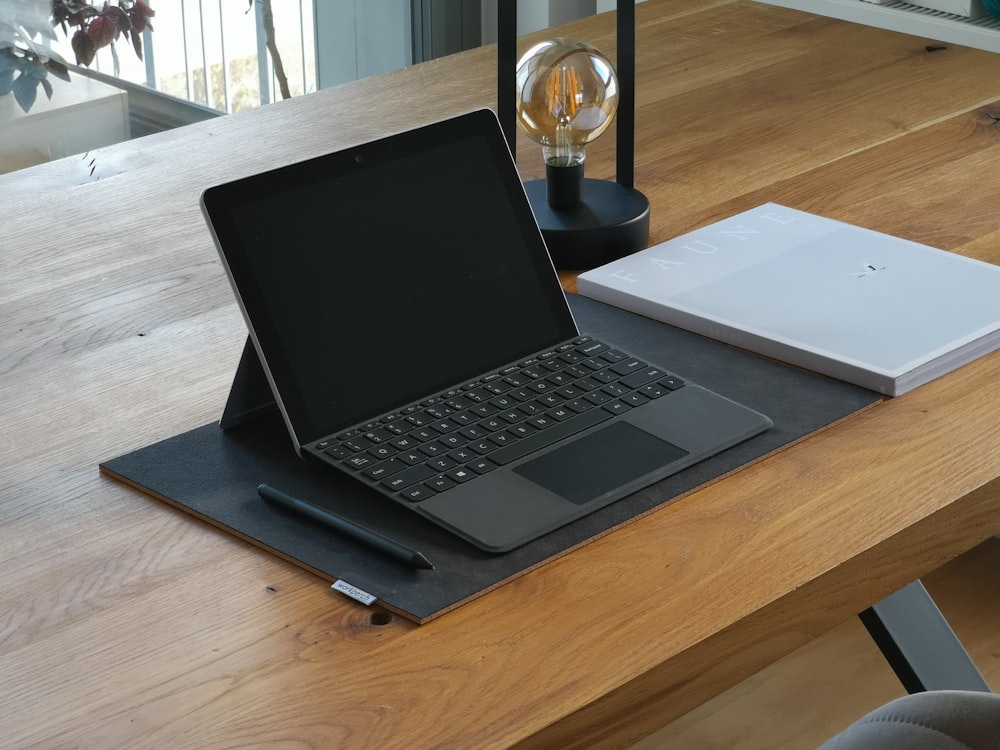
(126, 623)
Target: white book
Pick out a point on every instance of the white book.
(869, 308)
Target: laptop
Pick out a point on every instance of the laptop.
(415, 336)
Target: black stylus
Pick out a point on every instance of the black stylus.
(359, 533)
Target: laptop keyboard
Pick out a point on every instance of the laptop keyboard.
(448, 439)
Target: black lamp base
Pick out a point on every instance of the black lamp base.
(611, 221)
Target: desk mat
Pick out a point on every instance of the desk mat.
(214, 474)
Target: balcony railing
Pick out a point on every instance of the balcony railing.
(214, 52)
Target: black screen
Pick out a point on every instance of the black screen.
(388, 273)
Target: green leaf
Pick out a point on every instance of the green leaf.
(137, 43)
(84, 47)
(8, 62)
(58, 69)
(6, 81)
(26, 91)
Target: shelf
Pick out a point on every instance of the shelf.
(981, 33)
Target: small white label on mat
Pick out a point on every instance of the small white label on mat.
(354, 592)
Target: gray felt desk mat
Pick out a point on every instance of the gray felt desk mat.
(214, 474)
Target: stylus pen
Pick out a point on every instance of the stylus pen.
(359, 533)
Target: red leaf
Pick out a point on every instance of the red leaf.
(119, 16)
(102, 31)
(139, 14)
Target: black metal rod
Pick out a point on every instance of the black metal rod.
(625, 143)
(507, 71)
(919, 644)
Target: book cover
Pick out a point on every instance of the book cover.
(865, 307)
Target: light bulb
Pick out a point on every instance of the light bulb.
(567, 95)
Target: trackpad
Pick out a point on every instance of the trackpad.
(602, 461)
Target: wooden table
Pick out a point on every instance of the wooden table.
(125, 623)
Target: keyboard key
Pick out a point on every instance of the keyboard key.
(627, 365)
(379, 435)
(634, 399)
(478, 394)
(417, 492)
(604, 376)
(398, 426)
(616, 407)
(641, 377)
(504, 402)
(408, 476)
(383, 451)
(553, 364)
(591, 348)
(653, 390)
(497, 387)
(357, 443)
(517, 379)
(523, 394)
(481, 465)
(422, 434)
(597, 397)
(440, 483)
(462, 455)
(492, 424)
(541, 421)
(522, 430)
(460, 474)
(432, 449)
(459, 402)
(403, 442)
(359, 461)
(453, 439)
(578, 405)
(440, 463)
(338, 451)
(672, 382)
(484, 409)
(529, 408)
(482, 446)
(384, 469)
(438, 411)
(474, 432)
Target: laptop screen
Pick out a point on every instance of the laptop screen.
(381, 274)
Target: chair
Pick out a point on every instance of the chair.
(933, 720)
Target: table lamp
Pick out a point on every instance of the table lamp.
(564, 93)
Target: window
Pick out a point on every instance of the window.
(205, 58)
